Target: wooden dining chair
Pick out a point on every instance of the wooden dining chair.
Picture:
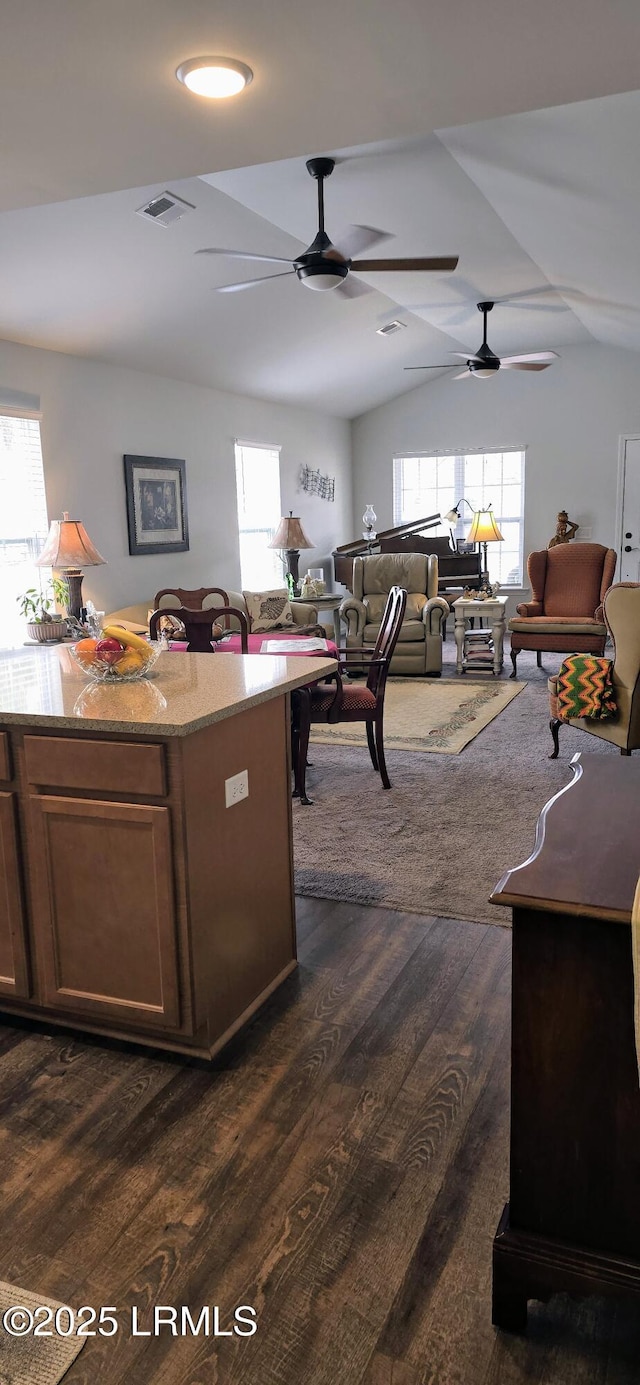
(199, 625)
(334, 700)
(193, 598)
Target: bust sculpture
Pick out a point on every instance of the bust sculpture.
(565, 530)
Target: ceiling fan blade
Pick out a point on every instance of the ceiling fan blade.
(532, 307)
(355, 239)
(530, 356)
(246, 255)
(353, 288)
(251, 283)
(525, 365)
(465, 356)
(444, 263)
(464, 375)
(429, 367)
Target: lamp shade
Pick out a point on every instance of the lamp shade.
(484, 528)
(452, 516)
(68, 546)
(290, 534)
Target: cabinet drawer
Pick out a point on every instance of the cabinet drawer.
(113, 766)
(5, 757)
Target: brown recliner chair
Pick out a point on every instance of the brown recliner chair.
(419, 647)
(568, 586)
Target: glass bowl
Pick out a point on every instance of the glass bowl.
(108, 673)
(141, 701)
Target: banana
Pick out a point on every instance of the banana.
(127, 637)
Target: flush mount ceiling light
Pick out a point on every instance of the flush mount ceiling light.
(214, 77)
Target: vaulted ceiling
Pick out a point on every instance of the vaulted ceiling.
(479, 152)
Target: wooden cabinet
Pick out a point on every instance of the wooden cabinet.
(572, 1224)
(151, 911)
(104, 917)
(14, 975)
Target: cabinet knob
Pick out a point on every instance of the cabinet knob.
(627, 548)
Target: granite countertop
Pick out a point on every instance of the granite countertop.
(45, 687)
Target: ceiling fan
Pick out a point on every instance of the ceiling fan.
(326, 266)
(485, 363)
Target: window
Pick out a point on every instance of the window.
(434, 483)
(23, 518)
(259, 513)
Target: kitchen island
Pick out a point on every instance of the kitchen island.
(133, 902)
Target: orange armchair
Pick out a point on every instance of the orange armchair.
(568, 585)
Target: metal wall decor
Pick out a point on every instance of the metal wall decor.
(314, 483)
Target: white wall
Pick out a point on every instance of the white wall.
(94, 413)
(570, 418)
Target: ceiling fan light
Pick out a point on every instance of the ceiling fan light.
(485, 372)
(321, 277)
(215, 78)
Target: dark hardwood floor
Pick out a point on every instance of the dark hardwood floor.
(341, 1169)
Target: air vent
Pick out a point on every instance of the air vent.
(391, 327)
(165, 209)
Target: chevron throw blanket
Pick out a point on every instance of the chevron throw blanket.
(585, 688)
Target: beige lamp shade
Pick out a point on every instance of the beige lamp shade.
(484, 528)
(69, 546)
(290, 534)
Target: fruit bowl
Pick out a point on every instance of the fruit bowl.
(114, 667)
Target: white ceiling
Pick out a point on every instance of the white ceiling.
(89, 102)
(544, 197)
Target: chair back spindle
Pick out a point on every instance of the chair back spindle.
(392, 618)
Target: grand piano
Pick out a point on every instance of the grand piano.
(455, 570)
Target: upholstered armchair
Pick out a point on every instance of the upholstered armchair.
(419, 646)
(564, 616)
(622, 616)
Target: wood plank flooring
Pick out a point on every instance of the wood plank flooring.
(341, 1169)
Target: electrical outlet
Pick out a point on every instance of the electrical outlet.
(586, 533)
(236, 788)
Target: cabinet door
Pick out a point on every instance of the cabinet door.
(104, 913)
(14, 976)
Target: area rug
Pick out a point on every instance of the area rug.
(429, 714)
(24, 1358)
(441, 838)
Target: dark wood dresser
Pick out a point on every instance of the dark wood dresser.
(572, 1223)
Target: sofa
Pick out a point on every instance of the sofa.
(136, 617)
(419, 647)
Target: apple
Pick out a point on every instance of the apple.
(109, 651)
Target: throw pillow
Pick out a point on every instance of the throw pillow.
(268, 610)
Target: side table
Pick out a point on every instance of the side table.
(466, 609)
(330, 601)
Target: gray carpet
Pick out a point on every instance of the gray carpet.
(450, 826)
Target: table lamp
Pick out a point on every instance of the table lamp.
(484, 530)
(69, 548)
(452, 516)
(290, 538)
(369, 521)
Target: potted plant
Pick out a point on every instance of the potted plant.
(43, 624)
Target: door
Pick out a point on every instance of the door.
(104, 914)
(629, 545)
(14, 976)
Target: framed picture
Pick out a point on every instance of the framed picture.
(463, 546)
(156, 505)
